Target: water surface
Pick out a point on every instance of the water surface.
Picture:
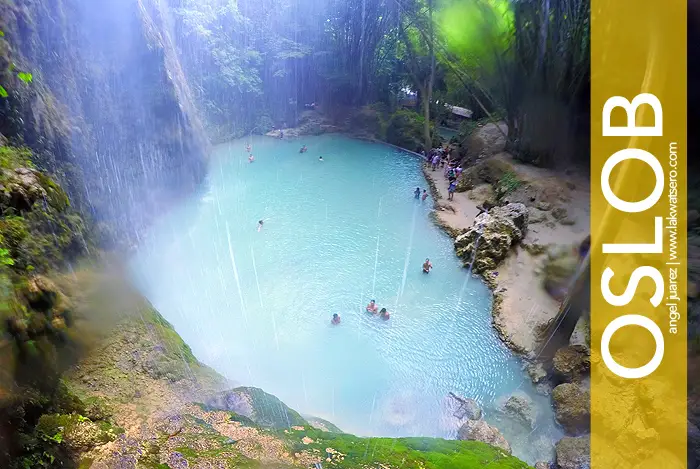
(256, 305)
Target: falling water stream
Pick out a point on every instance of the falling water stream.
(256, 305)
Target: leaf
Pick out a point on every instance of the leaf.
(3, 92)
(25, 77)
(2, 33)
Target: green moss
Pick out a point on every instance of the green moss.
(15, 157)
(428, 453)
(76, 431)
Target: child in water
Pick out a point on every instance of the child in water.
(320, 158)
(427, 266)
(384, 314)
(416, 193)
(251, 158)
(425, 195)
(336, 319)
(372, 307)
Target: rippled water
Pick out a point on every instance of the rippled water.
(257, 306)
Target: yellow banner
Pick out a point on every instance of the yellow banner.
(638, 228)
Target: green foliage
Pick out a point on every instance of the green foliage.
(3, 92)
(508, 183)
(25, 77)
(430, 453)
(5, 257)
(15, 157)
(405, 129)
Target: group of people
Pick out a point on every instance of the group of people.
(371, 308)
(440, 158)
(417, 194)
(437, 157)
(374, 310)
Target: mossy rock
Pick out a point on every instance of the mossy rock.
(255, 404)
(76, 432)
(489, 240)
(574, 453)
(572, 363)
(572, 407)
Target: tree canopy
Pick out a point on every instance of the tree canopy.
(256, 63)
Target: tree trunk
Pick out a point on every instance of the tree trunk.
(431, 81)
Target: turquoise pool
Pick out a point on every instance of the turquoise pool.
(256, 305)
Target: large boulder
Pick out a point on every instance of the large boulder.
(491, 236)
(572, 408)
(574, 453)
(487, 140)
(255, 404)
(572, 363)
(20, 188)
(479, 430)
(466, 408)
(520, 407)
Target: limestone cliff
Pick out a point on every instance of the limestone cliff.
(108, 109)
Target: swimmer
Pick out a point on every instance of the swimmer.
(336, 319)
(303, 149)
(425, 195)
(384, 314)
(427, 266)
(260, 225)
(320, 158)
(416, 193)
(247, 147)
(372, 307)
(251, 158)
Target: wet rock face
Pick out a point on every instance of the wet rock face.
(574, 453)
(479, 430)
(492, 235)
(572, 408)
(21, 189)
(572, 363)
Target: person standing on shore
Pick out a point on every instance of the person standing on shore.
(451, 190)
(435, 161)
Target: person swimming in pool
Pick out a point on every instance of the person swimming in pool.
(260, 225)
(372, 307)
(425, 195)
(336, 319)
(384, 314)
(320, 158)
(416, 193)
(427, 266)
(251, 158)
(303, 149)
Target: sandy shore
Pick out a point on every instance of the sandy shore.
(521, 308)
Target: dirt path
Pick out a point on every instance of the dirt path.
(522, 308)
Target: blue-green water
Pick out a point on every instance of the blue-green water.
(256, 305)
